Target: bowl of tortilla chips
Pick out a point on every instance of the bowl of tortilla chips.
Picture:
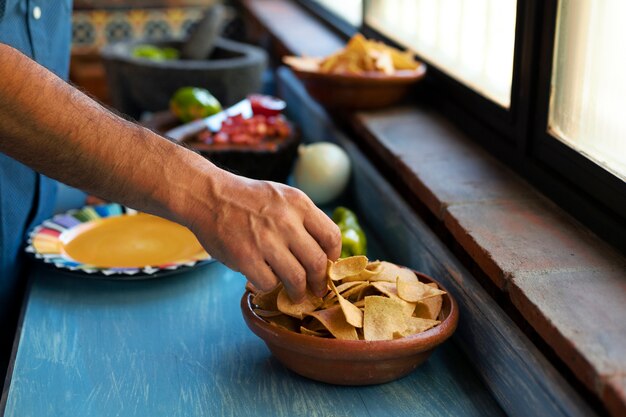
(377, 323)
(366, 74)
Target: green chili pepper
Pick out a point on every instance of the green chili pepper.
(353, 240)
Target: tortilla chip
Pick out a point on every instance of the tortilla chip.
(430, 307)
(390, 272)
(266, 313)
(310, 332)
(358, 47)
(284, 322)
(366, 291)
(330, 298)
(384, 63)
(303, 63)
(415, 325)
(372, 269)
(346, 286)
(387, 288)
(335, 321)
(353, 315)
(374, 266)
(297, 310)
(404, 60)
(409, 308)
(346, 267)
(383, 317)
(329, 302)
(329, 63)
(312, 323)
(355, 291)
(267, 300)
(357, 44)
(416, 291)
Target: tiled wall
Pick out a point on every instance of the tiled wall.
(96, 28)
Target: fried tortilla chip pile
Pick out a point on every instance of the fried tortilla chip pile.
(365, 301)
(360, 55)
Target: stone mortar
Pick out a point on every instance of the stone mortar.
(233, 71)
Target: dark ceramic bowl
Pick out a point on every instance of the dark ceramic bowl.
(257, 162)
(366, 91)
(270, 161)
(352, 362)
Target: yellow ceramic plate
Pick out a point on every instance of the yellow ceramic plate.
(107, 240)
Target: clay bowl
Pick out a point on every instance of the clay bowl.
(359, 91)
(352, 362)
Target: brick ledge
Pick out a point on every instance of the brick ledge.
(565, 281)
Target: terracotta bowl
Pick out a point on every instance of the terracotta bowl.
(359, 91)
(352, 362)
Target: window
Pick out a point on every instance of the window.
(588, 88)
(349, 10)
(472, 40)
(540, 84)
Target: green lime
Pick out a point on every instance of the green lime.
(191, 103)
(155, 53)
(170, 53)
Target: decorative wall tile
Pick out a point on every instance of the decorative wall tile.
(96, 28)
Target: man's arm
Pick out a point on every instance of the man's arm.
(268, 231)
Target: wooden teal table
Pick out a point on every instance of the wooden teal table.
(178, 346)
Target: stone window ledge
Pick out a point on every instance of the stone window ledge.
(567, 283)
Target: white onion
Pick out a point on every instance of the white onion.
(322, 171)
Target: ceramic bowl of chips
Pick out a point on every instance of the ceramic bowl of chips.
(365, 75)
(363, 331)
(358, 91)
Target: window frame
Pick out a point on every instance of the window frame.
(334, 22)
(495, 116)
(518, 136)
(591, 178)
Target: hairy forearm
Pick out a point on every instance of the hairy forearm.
(59, 131)
(270, 232)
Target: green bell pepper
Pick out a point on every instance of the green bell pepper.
(353, 240)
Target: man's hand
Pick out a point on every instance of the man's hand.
(268, 231)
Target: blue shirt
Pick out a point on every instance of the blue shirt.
(40, 29)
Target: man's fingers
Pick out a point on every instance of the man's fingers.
(311, 256)
(260, 274)
(325, 232)
(289, 271)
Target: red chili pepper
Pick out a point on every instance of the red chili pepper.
(266, 105)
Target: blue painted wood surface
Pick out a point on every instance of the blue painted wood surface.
(178, 346)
